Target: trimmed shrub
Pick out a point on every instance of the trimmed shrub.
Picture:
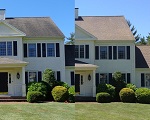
(103, 97)
(106, 88)
(61, 83)
(143, 95)
(60, 93)
(34, 96)
(131, 86)
(127, 95)
(71, 91)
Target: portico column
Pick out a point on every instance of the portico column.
(23, 82)
(94, 86)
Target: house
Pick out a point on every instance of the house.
(28, 46)
(104, 45)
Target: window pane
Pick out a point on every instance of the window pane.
(32, 77)
(2, 48)
(81, 51)
(32, 50)
(50, 50)
(103, 78)
(121, 52)
(76, 51)
(9, 48)
(103, 52)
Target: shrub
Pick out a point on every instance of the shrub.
(106, 88)
(60, 93)
(127, 95)
(71, 91)
(143, 95)
(131, 86)
(61, 83)
(34, 96)
(103, 97)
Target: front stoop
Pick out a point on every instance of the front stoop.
(85, 99)
(12, 99)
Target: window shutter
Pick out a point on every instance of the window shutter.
(110, 78)
(142, 80)
(57, 50)
(110, 52)
(72, 78)
(96, 52)
(39, 76)
(128, 78)
(114, 52)
(43, 50)
(26, 78)
(39, 49)
(25, 49)
(97, 79)
(128, 52)
(58, 76)
(87, 51)
(15, 48)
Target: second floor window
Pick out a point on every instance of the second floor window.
(32, 50)
(2, 48)
(82, 51)
(103, 52)
(50, 50)
(121, 52)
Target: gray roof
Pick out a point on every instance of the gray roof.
(106, 27)
(142, 56)
(36, 26)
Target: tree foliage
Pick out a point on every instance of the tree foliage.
(71, 38)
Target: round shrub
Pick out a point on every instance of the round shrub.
(34, 96)
(143, 95)
(71, 91)
(127, 95)
(106, 88)
(64, 84)
(103, 97)
(131, 86)
(60, 93)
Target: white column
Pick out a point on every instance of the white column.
(23, 82)
(94, 86)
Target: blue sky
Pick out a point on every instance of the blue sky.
(137, 11)
(62, 12)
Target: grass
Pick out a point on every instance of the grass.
(37, 111)
(112, 111)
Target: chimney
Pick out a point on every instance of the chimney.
(2, 14)
(76, 13)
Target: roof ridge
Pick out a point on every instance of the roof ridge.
(27, 17)
(104, 16)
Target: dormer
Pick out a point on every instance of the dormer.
(2, 14)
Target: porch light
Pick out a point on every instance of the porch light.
(18, 75)
(89, 77)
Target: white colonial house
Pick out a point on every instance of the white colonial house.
(28, 46)
(104, 45)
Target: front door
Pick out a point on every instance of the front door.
(77, 82)
(3, 82)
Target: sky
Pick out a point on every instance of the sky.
(137, 11)
(62, 13)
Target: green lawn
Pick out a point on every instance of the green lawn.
(112, 111)
(37, 111)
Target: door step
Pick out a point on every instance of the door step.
(12, 99)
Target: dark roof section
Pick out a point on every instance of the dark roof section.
(142, 56)
(36, 26)
(106, 27)
(69, 55)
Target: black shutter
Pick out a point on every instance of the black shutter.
(72, 78)
(39, 76)
(110, 52)
(110, 78)
(86, 51)
(128, 78)
(96, 52)
(58, 75)
(114, 52)
(97, 79)
(39, 49)
(43, 50)
(57, 50)
(26, 78)
(15, 48)
(142, 80)
(128, 52)
(25, 49)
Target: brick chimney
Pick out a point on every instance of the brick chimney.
(76, 13)
(2, 14)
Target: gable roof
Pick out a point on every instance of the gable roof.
(142, 56)
(36, 26)
(106, 27)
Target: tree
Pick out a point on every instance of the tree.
(143, 41)
(134, 32)
(148, 39)
(71, 39)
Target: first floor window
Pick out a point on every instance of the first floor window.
(121, 52)
(147, 81)
(32, 77)
(32, 50)
(50, 50)
(124, 77)
(103, 78)
(103, 52)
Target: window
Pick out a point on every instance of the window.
(32, 50)
(81, 51)
(9, 48)
(2, 48)
(147, 81)
(32, 77)
(76, 51)
(103, 78)
(103, 52)
(121, 52)
(124, 77)
(50, 50)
